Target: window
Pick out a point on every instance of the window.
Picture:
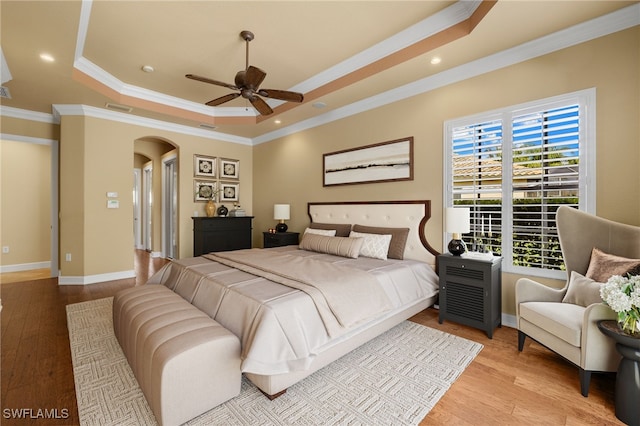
(513, 168)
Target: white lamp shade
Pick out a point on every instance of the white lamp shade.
(281, 211)
(457, 220)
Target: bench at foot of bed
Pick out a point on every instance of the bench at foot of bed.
(185, 362)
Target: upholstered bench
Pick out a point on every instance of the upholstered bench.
(185, 362)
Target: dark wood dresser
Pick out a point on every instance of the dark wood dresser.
(221, 234)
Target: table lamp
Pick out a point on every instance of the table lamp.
(457, 223)
(281, 213)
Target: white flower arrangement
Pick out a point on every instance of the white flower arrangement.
(623, 296)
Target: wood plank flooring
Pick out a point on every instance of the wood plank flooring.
(501, 387)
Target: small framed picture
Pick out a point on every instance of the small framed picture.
(229, 169)
(229, 191)
(205, 190)
(204, 166)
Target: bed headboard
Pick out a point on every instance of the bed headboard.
(401, 214)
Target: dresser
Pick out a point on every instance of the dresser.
(221, 234)
(471, 291)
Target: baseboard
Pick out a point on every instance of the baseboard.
(92, 279)
(25, 267)
(509, 320)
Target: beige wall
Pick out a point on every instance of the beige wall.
(25, 200)
(290, 168)
(97, 156)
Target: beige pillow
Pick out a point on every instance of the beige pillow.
(603, 266)
(342, 229)
(398, 238)
(325, 232)
(374, 245)
(339, 246)
(582, 291)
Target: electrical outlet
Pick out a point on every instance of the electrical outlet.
(5, 249)
(68, 257)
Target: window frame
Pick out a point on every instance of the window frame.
(586, 101)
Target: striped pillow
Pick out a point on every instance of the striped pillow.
(339, 246)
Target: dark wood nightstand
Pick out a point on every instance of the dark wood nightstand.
(471, 291)
(279, 239)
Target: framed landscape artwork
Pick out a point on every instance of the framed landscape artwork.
(380, 162)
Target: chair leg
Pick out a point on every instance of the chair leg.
(521, 337)
(585, 379)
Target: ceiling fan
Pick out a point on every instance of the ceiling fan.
(247, 82)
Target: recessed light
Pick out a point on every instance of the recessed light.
(435, 60)
(47, 57)
(277, 121)
(319, 105)
(148, 68)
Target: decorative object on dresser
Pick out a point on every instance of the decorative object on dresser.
(380, 162)
(222, 211)
(211, 234)
(457, 223)
(471, 291)
(280, 239)
(281, 212)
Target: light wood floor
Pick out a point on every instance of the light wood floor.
(501, 387)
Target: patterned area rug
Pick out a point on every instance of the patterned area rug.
(394, 379)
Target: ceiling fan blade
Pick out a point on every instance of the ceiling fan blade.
(283, 95)
(254, 77)
(260, 105)
(210, 81)
(223, 99)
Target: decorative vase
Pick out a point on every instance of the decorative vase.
(223, 211)
(210, 208)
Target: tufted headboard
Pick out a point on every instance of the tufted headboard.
(401, 214)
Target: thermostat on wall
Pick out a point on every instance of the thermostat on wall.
(113, 204)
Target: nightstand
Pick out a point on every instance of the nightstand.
(471, 291)
(279, 239)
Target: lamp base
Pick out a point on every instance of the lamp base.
(281, 227)
(457, 247)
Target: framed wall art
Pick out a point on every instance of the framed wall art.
(229, 191)
(229, 169)
(204, 166)
(380, 162)
(205, 190)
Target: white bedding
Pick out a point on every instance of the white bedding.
(280, 327)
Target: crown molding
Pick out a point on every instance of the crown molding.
(89, 111)
(25, 114)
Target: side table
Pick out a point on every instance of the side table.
(280, 239)
(627, 392)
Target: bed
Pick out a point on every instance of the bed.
(295, 309)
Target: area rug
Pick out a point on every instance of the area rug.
(394, 379)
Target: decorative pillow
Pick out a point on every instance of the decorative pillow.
(603, 266)
(342, 229)
(398, 238)
(339, 246)
(374, 245)
(582, 291)
(325, 232)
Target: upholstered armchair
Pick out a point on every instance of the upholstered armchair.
(565, 320)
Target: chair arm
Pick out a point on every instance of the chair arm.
(596, 345)
(532, 291)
